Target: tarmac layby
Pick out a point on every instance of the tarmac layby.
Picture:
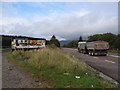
(108, 65)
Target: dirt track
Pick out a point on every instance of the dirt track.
(15, 77)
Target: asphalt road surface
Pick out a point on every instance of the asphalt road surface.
(108, 65)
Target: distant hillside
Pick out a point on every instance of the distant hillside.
(64, 42)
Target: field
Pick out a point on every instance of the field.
(62, 69)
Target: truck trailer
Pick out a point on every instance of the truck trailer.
(93, 48)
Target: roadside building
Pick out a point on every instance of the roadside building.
(27, 43)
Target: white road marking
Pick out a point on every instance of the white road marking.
(109, 61)
(115, 56)
(95, 57)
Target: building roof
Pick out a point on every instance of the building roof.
(27, 38)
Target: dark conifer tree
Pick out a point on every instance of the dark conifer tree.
(54, 41)
(80, 39)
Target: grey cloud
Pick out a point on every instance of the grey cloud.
(68, 26)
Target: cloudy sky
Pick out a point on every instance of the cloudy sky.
(66, 20)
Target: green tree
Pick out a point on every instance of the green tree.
(72, 44)
(54, 41)
(6, 41)
(116, 44)
(80, 39)
(47, 42)
(53, 37)
(113, 39)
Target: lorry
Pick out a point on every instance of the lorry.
(82, 48)
(93, 48)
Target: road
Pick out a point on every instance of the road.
(108, 65)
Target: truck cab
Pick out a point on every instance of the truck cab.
(82, 47)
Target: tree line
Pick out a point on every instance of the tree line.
(113, 39)
(5, 40)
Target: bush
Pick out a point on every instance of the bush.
(72, 44)
(54, 41)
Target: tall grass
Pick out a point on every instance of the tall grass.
(52, 63)
(53, 59)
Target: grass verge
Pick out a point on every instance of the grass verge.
(114, 51)
(3, 49)
(60, 67)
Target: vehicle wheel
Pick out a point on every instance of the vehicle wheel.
(78, 50)
(105, 54)
(82, 51)
(92, 53)
(89, 53)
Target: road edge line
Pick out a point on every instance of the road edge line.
(106, 77)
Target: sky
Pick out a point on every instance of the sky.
(65, 20)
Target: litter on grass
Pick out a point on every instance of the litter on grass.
(77, 76)
(25, 60)
(66, 73)
(91, 85)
